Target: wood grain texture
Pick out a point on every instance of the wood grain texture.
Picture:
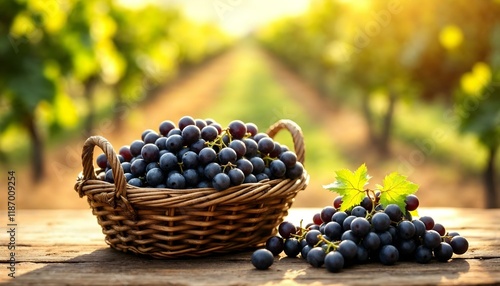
(66, 247)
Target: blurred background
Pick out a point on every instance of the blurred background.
(407, 86)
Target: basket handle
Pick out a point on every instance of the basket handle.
(295, 131)
(116, 167)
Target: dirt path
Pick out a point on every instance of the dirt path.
(194, 93)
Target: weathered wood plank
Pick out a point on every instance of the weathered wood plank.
(67, 247)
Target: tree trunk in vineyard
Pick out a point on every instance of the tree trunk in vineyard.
(489, 180)
(36, 149)
(367, 112)
(385, 136)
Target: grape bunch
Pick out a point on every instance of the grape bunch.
(367, 232)
(201, 154)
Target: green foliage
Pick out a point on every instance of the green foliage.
(351, 186)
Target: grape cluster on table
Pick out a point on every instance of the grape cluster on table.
(368, 232)
(198, 153)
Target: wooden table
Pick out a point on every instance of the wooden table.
(67, 247)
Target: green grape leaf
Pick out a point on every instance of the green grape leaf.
(350, 185)
(395, 189)
(414, 213)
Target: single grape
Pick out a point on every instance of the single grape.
(236, 176)
(359, 211)
(135, 182)
(289, 158)
(371, 241)
(423, 254)
(211, 170)
(258, 165)
(109, 176)
(388, 255)
(209, 133)
(197, 146)
(346, 225)
(262, 177)
(439, 228)
(192, 178)
(349, 235)
(333, 230)
(174, 143)
(411, 202)
(237, 129)
(190, 134)
(125, 152)
(394, 212)
(381, 222)
(276, 151)
(278, 168)
(385, 238)
(227, 155)
(407, 248)
(176, 181)
(459, 244)
(327, 213)
(337, 202)
(419, 227)
(165, 127)
(136, 147)
(138, 168)
(316, 257)
(200, 123)
(295, 172)
(102, 161)
(265, 145)
(207, 155)
(168, 162)
(362, 255)
(151, 137)
(443, 252)
(334, 261)
(406, 229)
(317, 219)
(432, 239)
(348, 249)
(128, 176)
(245, 166)
(275, 244)
(186, 121)
(252, 128)
(190, 160)
(161, 143)
(155, 177)
(250, 179)
(239, 147)
(257, 137)
(286, 229)
(312, 237)
(251, 147)
(221, 181)
(262, 259)
(305, 250)
(428, 221)
(367, 203)
(291, 247)
(339, 217)
(175, 131)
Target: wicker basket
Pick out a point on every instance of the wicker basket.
(168, 223)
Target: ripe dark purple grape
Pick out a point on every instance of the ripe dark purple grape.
(439, 228)
(291, 247)
(186, 121)
(150, 153)
(155, 177)
(227, 155)
(289, 158)
(221, 181)
(327, 213)
(165, 127)
(428, 221)
(411, 202)
(125, 152)
(316, 257)
(136, 147)
(265, 145)
(146, 132)
(317, 219)
(334, 261)
(245, 166)
(237, 129)
(239, 147)
(278, 169)
(151, 137)
(176, 181)
(174, 143)
(252, 129)
(190, 134)
(236, 176)
(102, 161)
(275, 245)
(286, 229)
(337, 202)
(459, 244)
(209, 133)
(207, 155)
(262, 259)
(295, 172)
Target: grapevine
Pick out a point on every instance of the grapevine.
(366, 225)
